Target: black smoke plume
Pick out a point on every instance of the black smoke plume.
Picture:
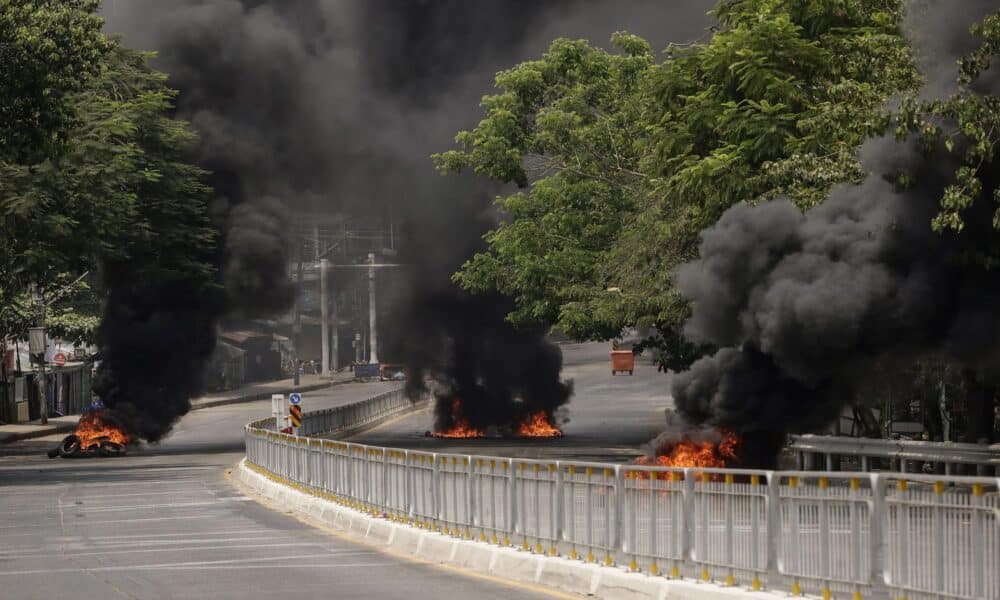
(500, 375)
(805, 306)
(335, 106)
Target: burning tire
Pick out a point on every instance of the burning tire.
(69, 447)
(109, 449)
(99, 433)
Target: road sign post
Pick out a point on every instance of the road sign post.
(295, 411)
(295, 416)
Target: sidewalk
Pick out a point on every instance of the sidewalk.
(249, 393)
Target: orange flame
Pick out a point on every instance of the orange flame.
(689, 453)
(462, 428)
(538, 425)
(95, 427)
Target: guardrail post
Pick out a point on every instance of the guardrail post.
(773, 528)
(349, 487)
(979, 567)
(730, 527)
(408, 502)
(878, 529)
(512, 508)
(687, 496)
(435, 489)
(618, 541)
(384, 500)
(559, 514)
(470, 496)
(824, 531)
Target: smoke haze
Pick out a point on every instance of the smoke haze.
(336, 105)
(803, 306)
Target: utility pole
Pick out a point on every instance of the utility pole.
(324, 312)
(37, 344)
(335, 342)
(373, 344)
(297, 327)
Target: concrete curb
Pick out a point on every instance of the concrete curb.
(35, 433)
(552, 572)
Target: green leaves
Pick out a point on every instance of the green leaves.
(48, 51)
(967, 123)
(568, 129)
(623, 161)
(115, 194)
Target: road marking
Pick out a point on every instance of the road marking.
(175, 534)
(163, 493)
(98, 552)
(84, 507)
(116, 521)
(83, 541)
(185, 565)
(292, 567)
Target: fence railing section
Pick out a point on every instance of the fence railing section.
(922, 536)
(824, 452)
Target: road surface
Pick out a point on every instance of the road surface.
(164, 522)
(609, 418)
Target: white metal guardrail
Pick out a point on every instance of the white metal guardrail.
(823, 452)
(863, 534)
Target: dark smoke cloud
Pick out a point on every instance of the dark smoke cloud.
(256, 240)
(155, 335)
(500, 375)
(336, 105)
(805, 305)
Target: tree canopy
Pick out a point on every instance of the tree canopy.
(620, 159)
(104, 188)
(49, 51)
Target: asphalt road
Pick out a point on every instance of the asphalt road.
(164, 522)
(609, 417)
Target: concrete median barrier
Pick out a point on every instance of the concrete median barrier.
(556, 573)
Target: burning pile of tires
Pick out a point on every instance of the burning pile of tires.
(72, 447)
(100, 433)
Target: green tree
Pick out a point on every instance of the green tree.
(571, 125)
(621, 161)
(49, 49)
(967, 123)
(117, 198)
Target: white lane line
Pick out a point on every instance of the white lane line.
(140, 539)
(174, 534)
(200, 491)
(118, 521)
(98, 552)
(261, 562)
(85, 508)
(84, 543)
(197, 538)
(296, 566)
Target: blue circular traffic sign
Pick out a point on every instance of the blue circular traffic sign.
(295, 398)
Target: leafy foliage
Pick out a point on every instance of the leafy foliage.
(572, 125)
(49, 51)
(967, 123)
(116, 196)
(621, 161)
